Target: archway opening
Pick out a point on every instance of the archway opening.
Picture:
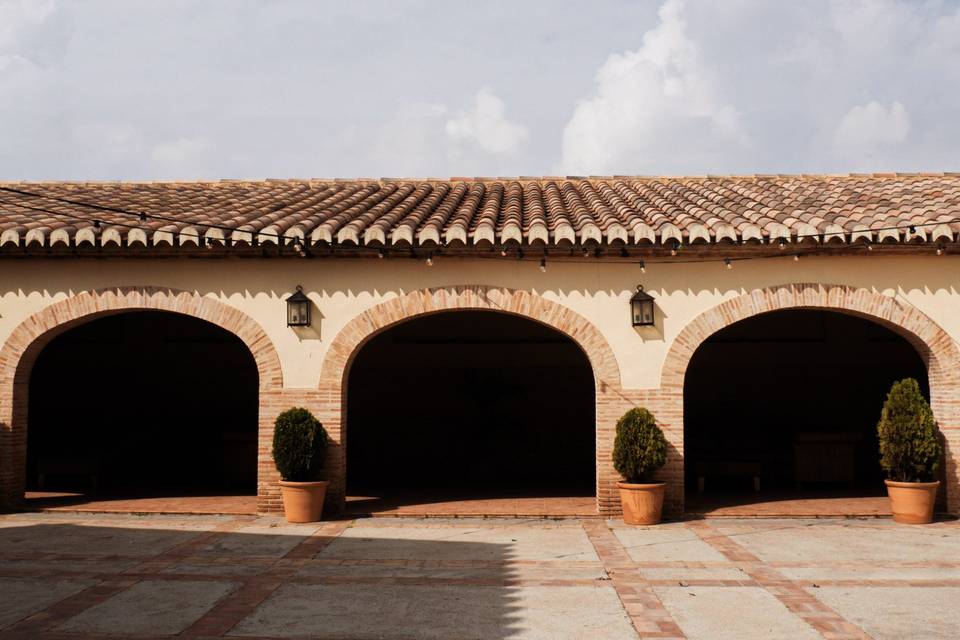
(144, 405)
(780, 414)
(461, 406)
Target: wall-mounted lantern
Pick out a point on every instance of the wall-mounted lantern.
(641, 308)
(298, 309)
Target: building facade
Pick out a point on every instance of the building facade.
(564, 254)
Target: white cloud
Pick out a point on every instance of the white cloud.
(653, 107)
(866, 127)
(486, 125)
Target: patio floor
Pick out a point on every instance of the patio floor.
(85, 576)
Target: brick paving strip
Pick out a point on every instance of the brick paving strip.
(823, 619)
(649, 617)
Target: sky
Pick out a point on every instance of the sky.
(207, 89)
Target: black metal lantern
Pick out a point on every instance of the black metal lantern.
(298, 309)
(641, 308)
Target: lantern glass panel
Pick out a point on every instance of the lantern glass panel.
(298, 310)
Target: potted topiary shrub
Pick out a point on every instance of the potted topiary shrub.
(910, 453)
(299, 444)
(638, 451)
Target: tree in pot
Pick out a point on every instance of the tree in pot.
(299, 445)
(638, 451)
(910, 452)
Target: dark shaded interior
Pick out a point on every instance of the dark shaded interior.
(471, 402)
(793, 396)
(144, 403)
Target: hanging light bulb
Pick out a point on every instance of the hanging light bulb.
(728, 262)
(912, 230)
(298, 247)
(543, 265)
(380, 253)
(869, 246)
(430, 259)
(643, 267)
(796, 257)
(783, 244)
(503, 252)
(939, 249)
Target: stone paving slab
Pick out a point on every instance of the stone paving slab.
(481, 542)
(261, 540)
(154, 607)
(830, 541)
(894, 613)
(439, 612)
(669, 541)
(439, 570)
(20, 597)
(732, 613)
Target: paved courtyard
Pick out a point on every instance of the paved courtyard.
(89, 576)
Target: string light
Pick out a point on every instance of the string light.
(940, 249)
(380, 253)
(503, 252)
(869, 246)
(643, 267)
(298, 247)
(783, 244)
(796, 257)
(543, 265)
(728, 262)
(430, 259)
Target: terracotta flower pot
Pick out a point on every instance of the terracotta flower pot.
(303, 501)
(912, 502)
(642, 503)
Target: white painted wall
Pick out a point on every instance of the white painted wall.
(341, 289)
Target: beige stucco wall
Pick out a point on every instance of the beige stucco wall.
(342, 289)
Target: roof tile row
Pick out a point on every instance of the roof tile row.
(483, 212)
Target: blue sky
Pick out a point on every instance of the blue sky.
(243, 89)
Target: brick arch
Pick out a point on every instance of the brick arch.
(28, 339)
(937, 349)
(350, 339)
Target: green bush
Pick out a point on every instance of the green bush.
(299, 444)
(910, 448)
(639, 448)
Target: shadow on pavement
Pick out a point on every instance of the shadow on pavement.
(170, 576)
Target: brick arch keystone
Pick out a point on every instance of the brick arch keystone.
(28, 339)
(937, 349)
(363, 327)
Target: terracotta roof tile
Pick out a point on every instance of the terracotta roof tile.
(480, 212)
